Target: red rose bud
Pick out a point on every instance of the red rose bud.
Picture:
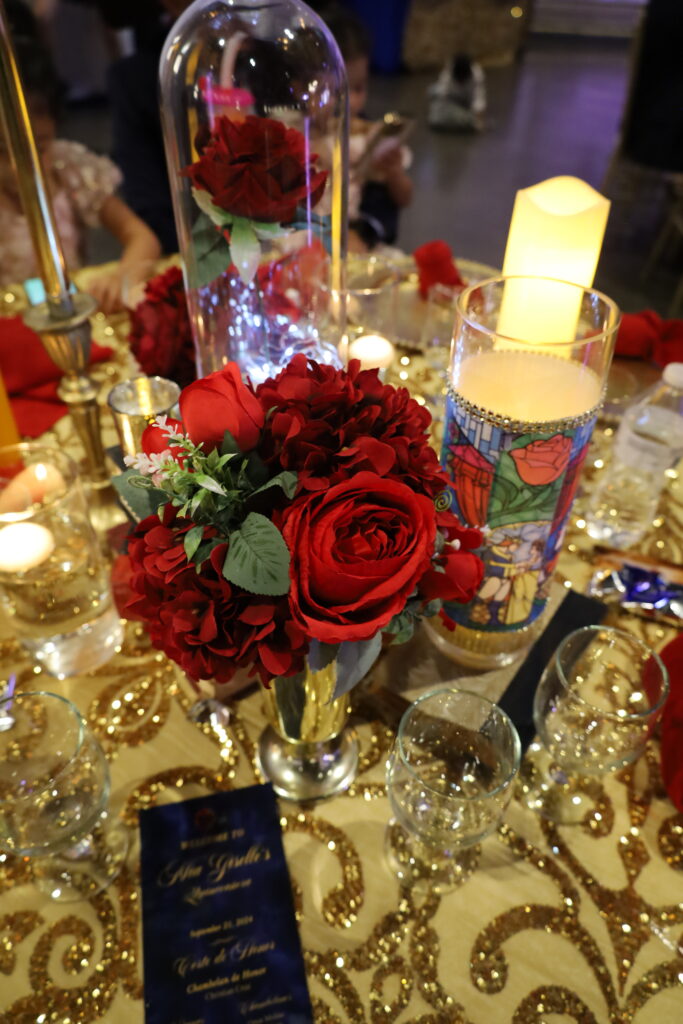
(358, 551)
(221, 402)
(155, 441)
(257, 168)
(435, 265)
(459, 579)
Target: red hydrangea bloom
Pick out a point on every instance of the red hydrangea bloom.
(328, 425)
(205, 624)
(160, 332)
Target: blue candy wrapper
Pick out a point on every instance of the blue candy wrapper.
(639, 585)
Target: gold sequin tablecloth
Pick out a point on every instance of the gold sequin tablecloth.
(553, 925)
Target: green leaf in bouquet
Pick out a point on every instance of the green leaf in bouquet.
(229, 445)
(245, 248)
(401, 627)
(287, 480)
(321, 655)
(204, 550)
(138, 495)
(291, 700)
(354, 661)
(258, 558)
(193, 539)
(212, 252)
(209, 483)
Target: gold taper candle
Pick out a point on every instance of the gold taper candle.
(35, 200)
(63, 320)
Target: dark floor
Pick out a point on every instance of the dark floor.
(556, 111)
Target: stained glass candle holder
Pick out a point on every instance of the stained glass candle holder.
(529, 362)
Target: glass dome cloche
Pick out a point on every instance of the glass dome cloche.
(254, 106)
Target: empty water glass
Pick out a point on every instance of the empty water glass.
(54, 790)
(449, 780)
(597, 703)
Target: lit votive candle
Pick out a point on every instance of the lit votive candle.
(31, 486)
(373, 351)
(24, 546)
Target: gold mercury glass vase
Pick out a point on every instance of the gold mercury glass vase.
(306, 751)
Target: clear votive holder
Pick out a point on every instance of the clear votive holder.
(370, 304)
(136, 403)
(55, 584)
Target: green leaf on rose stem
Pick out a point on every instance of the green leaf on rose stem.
(215, 214)
(290, 694)
(204, 550)
(193, 539)
(287, 480)
(138, 495)
(211, 250)
(209, 483)
(258, 558)
(229, 445)
(401, 628)
(354, 661)
(432, 608)
(266, 232)
(321, 655)
(245, 248)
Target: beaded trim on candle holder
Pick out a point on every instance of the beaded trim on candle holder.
(523, 426)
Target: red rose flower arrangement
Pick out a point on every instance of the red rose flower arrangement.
(251, 178)
(289, 521)
(160, 332)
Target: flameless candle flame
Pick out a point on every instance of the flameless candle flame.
(24, 546)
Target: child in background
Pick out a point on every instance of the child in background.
(379, 187)
(82, 187)
(457, 100)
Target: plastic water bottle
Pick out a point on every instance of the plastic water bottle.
(648, 442)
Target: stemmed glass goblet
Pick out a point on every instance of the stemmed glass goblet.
(449, 780)
(54, 789)
(597, 702)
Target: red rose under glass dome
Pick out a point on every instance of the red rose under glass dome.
(254, 110)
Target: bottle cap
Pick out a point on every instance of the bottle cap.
(673, 375)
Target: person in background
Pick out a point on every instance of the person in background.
(137, 139)
(82, 186)
(457, 100)
(379, 185)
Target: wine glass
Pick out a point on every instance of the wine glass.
(598, 701)
(54, 789)
(449, 780)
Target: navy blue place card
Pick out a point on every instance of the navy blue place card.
(220, 939)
